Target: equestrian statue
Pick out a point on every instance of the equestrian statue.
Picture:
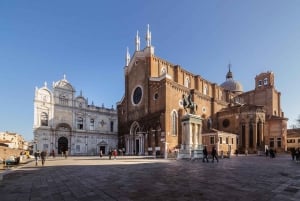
(188, 103)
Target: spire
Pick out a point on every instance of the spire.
(137, 42)
(80, 92)
(65, 77)
(127, 57)
(229, 74)
(45, 84)
(148, 37)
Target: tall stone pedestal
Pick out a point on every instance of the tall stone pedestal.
(191, 147)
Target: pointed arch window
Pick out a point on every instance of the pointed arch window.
(174, 121)
(44, 119)
(80, 123)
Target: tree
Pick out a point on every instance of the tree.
(297, 124)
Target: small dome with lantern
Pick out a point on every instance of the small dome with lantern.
(230, 84)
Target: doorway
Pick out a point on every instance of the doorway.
(62, 145)
(102, 149)
(137, 147)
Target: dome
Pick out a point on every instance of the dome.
(230, 84)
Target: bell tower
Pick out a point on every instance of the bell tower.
(264, 80)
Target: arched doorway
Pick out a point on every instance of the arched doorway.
(102, 147)
(62, 133)
(135, 141)
(135, 128)
(62, 145)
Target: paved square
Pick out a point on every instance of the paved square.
(91, 178)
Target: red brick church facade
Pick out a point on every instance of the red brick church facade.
(150, 112)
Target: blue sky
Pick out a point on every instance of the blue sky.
(87, 40)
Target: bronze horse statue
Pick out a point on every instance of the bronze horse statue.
(188, 103)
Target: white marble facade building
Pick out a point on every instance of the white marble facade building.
(66, 122)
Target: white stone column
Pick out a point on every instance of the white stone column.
(184, 128)
(199, 134)
(141, 145)
(195, 133)
(131, 144)
(190, 135)
(127, 146)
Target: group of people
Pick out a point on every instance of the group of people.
(271, 153)
(40, 155)
(295, 154)
(111, 153)
(213, 154)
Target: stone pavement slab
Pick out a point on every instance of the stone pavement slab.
(244, 178)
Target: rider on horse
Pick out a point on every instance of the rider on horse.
(188, 103)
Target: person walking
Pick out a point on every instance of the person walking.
(205, 155)
(267, 152)
(43, 157)
(115, 153)
(66, 154)
(272, 154)
(297, 154)
(236, 152)
(53, 153)
(36, 157)
(109, 154)
(293, 153)
(214, 154)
